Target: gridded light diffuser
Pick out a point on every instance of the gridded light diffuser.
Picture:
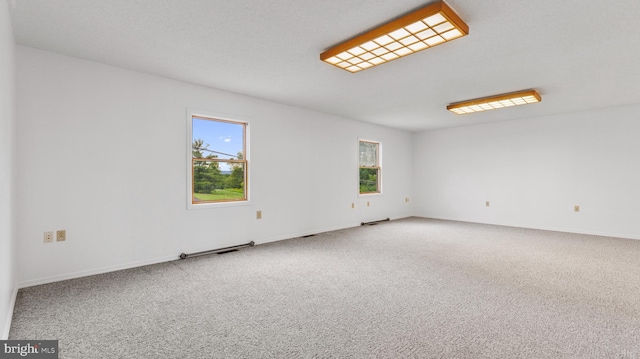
(424, 28)
(495, 102)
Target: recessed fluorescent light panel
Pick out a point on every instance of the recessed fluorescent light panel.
(424, 28)
(495, 102)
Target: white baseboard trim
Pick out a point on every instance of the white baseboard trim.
(7, 325)
(86, 273)
(57, 278)
(553, 229)
(302, 234)
(322, 230)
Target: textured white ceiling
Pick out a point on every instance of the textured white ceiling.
(579, 54)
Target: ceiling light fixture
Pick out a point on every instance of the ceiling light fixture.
(494, 102)
(426, 27)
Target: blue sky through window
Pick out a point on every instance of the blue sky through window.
(223, 137)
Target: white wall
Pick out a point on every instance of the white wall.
(534, 171)
(102, 155)
(7, 120)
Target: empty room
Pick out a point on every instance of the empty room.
(319, 179)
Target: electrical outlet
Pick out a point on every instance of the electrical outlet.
(576, 208)
(258, 214)
(48, 237)
(406, 199)
(487, 203)
(61, 235)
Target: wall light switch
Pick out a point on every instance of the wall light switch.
(353, 205)
(487, 203)
(576, 208)
(367, 203)
(258, 214)
(406, 199)
(61, 235)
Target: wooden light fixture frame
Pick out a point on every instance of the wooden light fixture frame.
(439, 7)
(505, 100)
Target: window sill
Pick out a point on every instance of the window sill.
(377, 194)
(215, 205)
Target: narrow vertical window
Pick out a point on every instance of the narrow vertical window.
(369, 167)
(218, 160)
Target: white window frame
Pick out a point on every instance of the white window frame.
(189, 156)
(380, 166)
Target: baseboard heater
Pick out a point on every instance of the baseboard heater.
(219, 250)
(374, 222)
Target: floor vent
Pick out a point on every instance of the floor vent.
(229, 251)
(373, 223)
(219, 250)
